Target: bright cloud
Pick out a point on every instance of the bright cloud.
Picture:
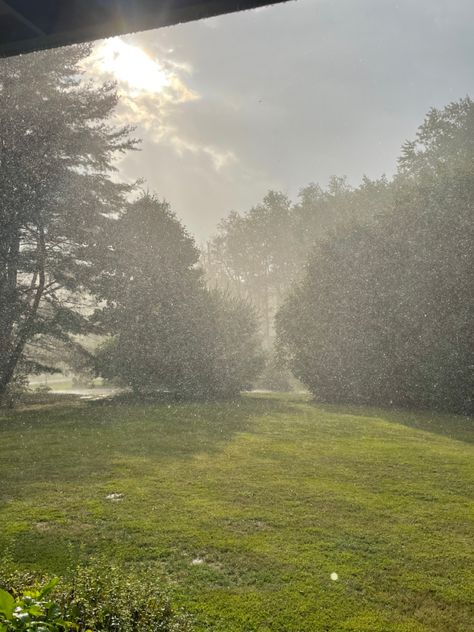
(219, 158)
(131, 65)
(152, 90)
(138, 73)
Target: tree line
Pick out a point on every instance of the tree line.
(82, 253)
(387, 308)
(260, 254)
(364, 292)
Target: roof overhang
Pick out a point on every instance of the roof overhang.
(29, 25)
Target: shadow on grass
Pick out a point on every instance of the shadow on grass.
(83, 440)
(193, 424)
(59, 462)
(457, 427)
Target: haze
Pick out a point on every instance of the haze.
(278, 97)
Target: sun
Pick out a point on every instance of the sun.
(132, 65)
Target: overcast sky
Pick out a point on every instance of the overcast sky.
(283, 96)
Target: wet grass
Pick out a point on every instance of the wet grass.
(246, 508)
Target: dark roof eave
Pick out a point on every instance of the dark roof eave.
(24, 27)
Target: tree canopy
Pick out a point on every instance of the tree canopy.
(384, 312)
(57, 196)
(261, 253)
(169, 333)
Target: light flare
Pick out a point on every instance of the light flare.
(132, 65)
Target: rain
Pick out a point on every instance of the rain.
(236, 352)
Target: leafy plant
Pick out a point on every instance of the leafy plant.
(33, 610)
(99, 598)
(106, 598)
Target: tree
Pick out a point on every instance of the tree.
(251, 256)
(384, 312)
(168, 332)
(260, 254)
(435, 202)
(57, 196)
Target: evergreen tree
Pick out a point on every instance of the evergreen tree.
(384, 312)
(169, 333)
(57, 196)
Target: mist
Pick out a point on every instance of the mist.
(236, 351)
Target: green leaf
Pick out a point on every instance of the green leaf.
(48, 587)
(7, 603)
(36, 611)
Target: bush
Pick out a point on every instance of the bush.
(15, 390)
(95, 600)
(32, 610)
(211, 351)
(383, 314)
(43, 388)
(168, 333)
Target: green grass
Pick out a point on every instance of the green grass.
(272, 493)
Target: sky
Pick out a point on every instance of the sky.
(279, 97)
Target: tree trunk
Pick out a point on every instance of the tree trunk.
(10, 250)
(13, 349)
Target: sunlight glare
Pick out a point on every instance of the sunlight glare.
(133, 66)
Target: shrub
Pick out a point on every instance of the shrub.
(43, 388)
(383, 314)
(32, 610)
(169, 334)
(15, 390)
(97, 599)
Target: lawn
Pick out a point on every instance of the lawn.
(245, 509)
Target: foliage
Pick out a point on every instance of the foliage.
(99, 598)
(43, 388)
(32, 610)
(258, 255)
(275, 376)
(16, 389)
(272, 493)
(383, 314)
(234, 347)
(57, 197)
(246, 257)
(169, 333)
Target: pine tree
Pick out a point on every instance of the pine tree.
(169, 333)
(57, 196)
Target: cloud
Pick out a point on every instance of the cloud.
(289, 95)
(219, 159)
(149, 87)
(139, 73)
(152, 88)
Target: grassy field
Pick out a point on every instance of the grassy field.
(246, 509)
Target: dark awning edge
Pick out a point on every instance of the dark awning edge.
(31, 25)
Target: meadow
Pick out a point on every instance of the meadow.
(269, 513)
